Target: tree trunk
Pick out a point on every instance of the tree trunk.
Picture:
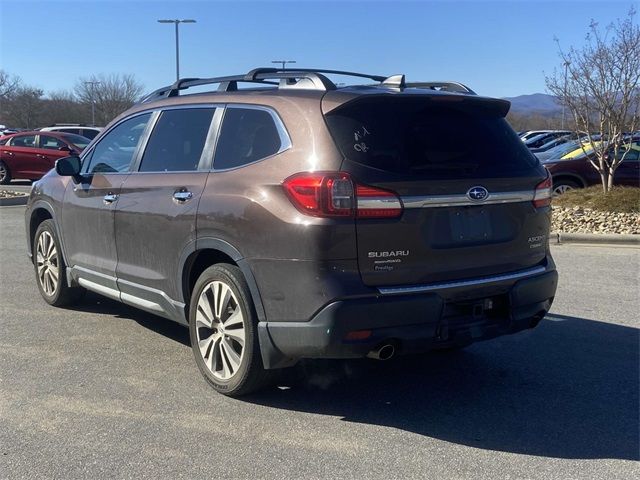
(604, 179)
(610, 182)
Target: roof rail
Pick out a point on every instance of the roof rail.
(443, 86)
(295, 78)
(299, 78)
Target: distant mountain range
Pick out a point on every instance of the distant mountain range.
(536, 103)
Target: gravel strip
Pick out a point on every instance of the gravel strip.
(585, 220)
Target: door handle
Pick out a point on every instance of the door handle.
(7, 153)
(182, 196)
(109, 198)
(40, 156)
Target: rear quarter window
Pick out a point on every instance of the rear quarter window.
(247, 135)
(418, 137)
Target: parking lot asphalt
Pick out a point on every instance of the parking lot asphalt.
(106, 391)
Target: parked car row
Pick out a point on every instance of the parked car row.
(567, 157)
(32, 153)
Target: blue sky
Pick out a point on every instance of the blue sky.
(497, 48)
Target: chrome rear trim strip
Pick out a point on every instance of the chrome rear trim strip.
(461, 200)
(378, 203)
(462, 283)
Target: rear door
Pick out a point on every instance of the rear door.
(628, 172)
(465, 181)
(155, 219)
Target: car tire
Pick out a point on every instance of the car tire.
(5, 174)
(562, 186)
(50, 269)
(223, 332)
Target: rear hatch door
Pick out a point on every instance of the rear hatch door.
(464, 178)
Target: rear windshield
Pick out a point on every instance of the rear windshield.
(416, 137)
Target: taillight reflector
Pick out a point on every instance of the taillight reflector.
(377, 203)
(542, 194)
(335, 194)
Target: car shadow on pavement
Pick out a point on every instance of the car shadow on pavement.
(568, 389)
(94, 303)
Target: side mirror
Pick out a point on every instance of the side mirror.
(68, 166)
(65, 148)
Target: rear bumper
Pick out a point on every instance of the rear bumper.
(455, 314)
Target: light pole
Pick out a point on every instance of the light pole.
(566, 68)
(283, 62)
(177, 22)
(93, 100)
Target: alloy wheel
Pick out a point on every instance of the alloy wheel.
(560, 189)
(47, 263)
(220, 330)
(3, 172)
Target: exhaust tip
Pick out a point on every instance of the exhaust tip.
(384, 352)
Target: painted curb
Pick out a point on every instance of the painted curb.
(11, 201)
(594, 238)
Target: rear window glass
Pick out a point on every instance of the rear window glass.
(418, 137)
(77, 140)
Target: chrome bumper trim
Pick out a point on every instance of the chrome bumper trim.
(462, 283)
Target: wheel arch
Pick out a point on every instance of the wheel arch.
(568, 176)
(205, 252)
(39, 212)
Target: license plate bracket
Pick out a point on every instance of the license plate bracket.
(470, 225)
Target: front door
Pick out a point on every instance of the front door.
(89, 206)
(155, 218)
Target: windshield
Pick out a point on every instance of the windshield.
(78, 140)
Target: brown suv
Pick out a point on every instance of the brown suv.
(296, 219)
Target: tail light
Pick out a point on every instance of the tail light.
(335, 194)
(542, 193)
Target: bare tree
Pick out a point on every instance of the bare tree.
(8, 84)
(62, 107)
(111, 94)
(23, 107)
(600, 86)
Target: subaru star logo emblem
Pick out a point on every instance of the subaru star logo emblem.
(477, 194)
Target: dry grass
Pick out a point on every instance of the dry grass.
(619, 199)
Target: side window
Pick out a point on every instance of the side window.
(631, 156)
(51, 143)
(116, 149)
(70, 130)
(247, 135)
(177, 140)
(28, 141)
(90, 134)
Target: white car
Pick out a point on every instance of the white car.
(84, 130)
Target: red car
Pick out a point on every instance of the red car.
(30, 155)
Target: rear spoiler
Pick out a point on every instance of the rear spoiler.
(336, 100)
